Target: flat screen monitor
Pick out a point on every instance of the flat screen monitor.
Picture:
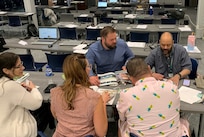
(126, 1)
(152, 1)
(102, 4)
(113, 1)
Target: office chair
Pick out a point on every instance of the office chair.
(84, 19)
(116, 12)
(29, 64)
(174, 34)
(55, 61)
(67, 17)
(15, 22)
(145, 21)
(92, 34)
(193, 73)
(139, 36)
(67, 33)
(168, 21)
(105, 20)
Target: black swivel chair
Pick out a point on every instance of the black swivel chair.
(92, 34)
(67, 33)
(168, 21)
(29, 64)
(193, 73)
(55, 61)
(139, 36)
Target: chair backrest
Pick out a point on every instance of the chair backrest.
(14, 21)
(92, 34)
(175, 36)
(55, 61)
(67, 17)
(193, 73)
(168, 21)
(145, 21)
(105, 20)
(67, 33)
(28, 62)
(84, 19)
(139, 36)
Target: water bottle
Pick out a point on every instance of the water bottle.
(49, 74)
(150, 10)
(191, 42)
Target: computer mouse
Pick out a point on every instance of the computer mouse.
(50, 46)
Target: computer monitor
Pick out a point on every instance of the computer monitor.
(152, 1)
(126, 1)
(102, 4)
(113, 1)
(48, 33)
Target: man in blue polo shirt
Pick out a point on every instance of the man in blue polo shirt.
(108, 54)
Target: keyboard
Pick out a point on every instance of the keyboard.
(43, 42)
(167, 26)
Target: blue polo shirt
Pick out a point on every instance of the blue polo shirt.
(108, 60)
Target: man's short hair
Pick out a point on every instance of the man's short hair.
(108, 29)
(136, 67)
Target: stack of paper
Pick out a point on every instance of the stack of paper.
(136, 44)
(81, 51)
(80, 46)
(195, 50)
(130, 16)
(83, 15)
(189, 95)
(185, 28)
(141, 26)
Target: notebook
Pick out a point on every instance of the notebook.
(102, 4)
(47, 36)
(167, 26)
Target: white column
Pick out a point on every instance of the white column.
(30, 7)
(200, 20)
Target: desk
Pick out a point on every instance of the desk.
(13, 43)
(57, 78)
(20, 14)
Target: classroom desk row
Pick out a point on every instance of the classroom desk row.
(57, 78)
(68, 48)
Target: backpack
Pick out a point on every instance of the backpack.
(32, 30)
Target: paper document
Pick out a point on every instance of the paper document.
(22, 42)
(185, 28)
(71, 26)
(92, 27)
(81, 51)
(189, 95)
(111, 92)
(141, 26)
(130, 16)
(195, 50)
(83, 15)
(136, 44)
(80, 46)
(117, 7)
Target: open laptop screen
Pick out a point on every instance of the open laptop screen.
(152, 1)
(113, 1)
(48, 33)
(102, 4)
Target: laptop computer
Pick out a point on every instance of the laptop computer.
(102, 4)
(47, 36)
(167, 26)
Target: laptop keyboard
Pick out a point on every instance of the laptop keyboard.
(43, 42)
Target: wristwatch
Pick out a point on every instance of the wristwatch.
(179, 75)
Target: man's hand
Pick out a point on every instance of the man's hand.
(158, 76)
(94, 80)
(175, 79)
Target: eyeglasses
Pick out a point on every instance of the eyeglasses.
(19, 66)
(89, 66)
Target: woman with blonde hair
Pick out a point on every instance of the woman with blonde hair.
(79, 110)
